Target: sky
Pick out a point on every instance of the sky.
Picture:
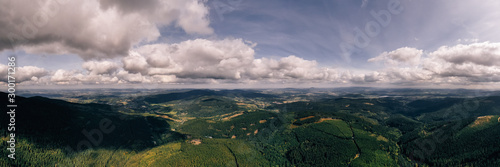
(251, 43)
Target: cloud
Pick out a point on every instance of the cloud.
(131, 77)
(200, 58)
(62, 77)
(399, 56)
(371, 77)
(75, 77)
(203, 61)
(29, 73)
(486, 54)
(3, 73)
(22, 74)
(135, 63)
(194, 18)
(198, 61)
(477, 62)
(291, 67)
(100, 67)
(407, 75)
(459, 64)
(470, 71)
(129, 6)
(94, 29)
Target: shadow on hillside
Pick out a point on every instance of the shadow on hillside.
(50, 123)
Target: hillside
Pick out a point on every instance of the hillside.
(252, 128)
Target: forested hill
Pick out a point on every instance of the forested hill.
(70, 128)
(254, 128)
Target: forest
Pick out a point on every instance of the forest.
(254, 128)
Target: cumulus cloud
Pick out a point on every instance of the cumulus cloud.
(459, 64)
(93, 28)
(199, 61)
(29, 73)
(22, 74)
(203, 61)
(486, 54)
(291, 67)
(477, 62)
(74, 77)
(468, 71)
(135, 63)
(227, 59)
(200, 58)
(407, 75)
(100, 67)
(399, 56)
(131, 77)
(63, 77)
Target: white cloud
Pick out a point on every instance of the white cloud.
(22, 74)
(477, 62)
(291, 67)
(407, 74)
(204, 61)
(100, 67)
(63, 77)
(486, 54)
(200, 58)
(194, 18)
(93, 28)
(132, 78)
(135, 63)
(164, 78)
(459, 64)
(29, 73)
(399, 56)
(199, 61)
(73, 77)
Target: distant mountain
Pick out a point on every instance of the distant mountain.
(162, 98)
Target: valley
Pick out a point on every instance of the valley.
(282, 127)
